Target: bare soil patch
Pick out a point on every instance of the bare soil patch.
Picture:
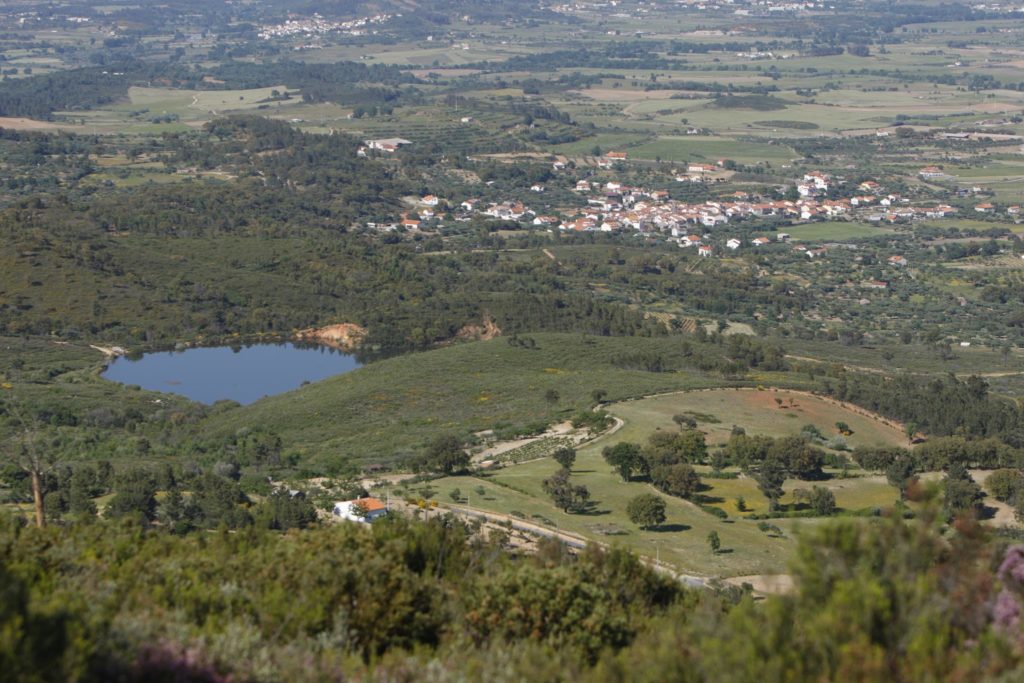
(344, 336)
(18, 123)
(765, 584)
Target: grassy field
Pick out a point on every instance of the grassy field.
(682, 540)
(756, 411)
(835, 230)
(671, 148)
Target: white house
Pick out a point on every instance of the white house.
(363, 510)
(733, 244)
(389, 145)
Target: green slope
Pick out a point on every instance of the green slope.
(387, 410)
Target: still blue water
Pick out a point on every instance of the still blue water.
(245, 374)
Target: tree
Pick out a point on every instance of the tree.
(1005, 485)
(30, 451)
(626, 458)
(770, 479)
(134, 494)
(359, 510)
(455, 494)
(598, 395)
(646, 510)
(677, 480)
(822, 501)
(80, 503)
(684, 421)
(176, 514)
(668, 448)
(220, 499)
(843, 428)
(564, 495)
(719, 460)
(961, 494)
(714, 542)
(800, 458)
(283, 510)
(900, 473)
(565, 456)
(446, 454)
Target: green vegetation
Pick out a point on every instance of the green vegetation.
(485, 202)
(404, 594)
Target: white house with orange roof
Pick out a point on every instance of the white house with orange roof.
(364, 510)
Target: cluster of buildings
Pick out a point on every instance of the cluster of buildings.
(620, 207)
(615, 207)
(317, 25)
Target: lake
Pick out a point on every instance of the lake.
(244, 374)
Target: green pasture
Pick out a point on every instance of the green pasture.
(682, 540)
(694, 147)
(835, 230)
(757, 411)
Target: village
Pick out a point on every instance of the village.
(611, 206)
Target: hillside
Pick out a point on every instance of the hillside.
(387, 410)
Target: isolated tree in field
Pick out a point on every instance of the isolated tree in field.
(30, 450)
(598, 395)
(770, 479)
(714, 542)
(564, 495)
(565, 456)
(900, 473)
(455, 495)
(552, 397)
(446, 454)
(843, 428)
(646, 510)
(822, 501)
(684, 422)
(627, 459)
